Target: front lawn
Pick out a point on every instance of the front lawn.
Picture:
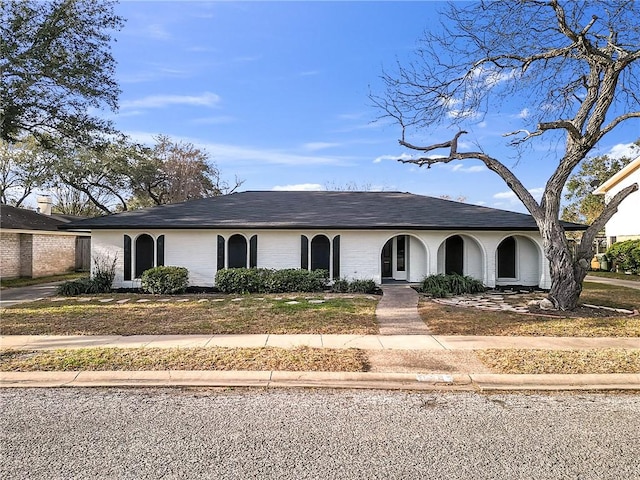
(607, 360)
(451, 320)
(259, 359)
(191, 314)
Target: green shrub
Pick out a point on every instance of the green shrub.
(104, 272)
(340, 286)
(263, 280)
(441, 285)
(165, 280)
(362, 286)
(72, 288)
(626, 255)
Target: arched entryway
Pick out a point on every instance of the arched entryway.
(517, 261)
(461, 254)
(403, 258)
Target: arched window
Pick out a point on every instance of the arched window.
(507, 258)
(144, 254)
(237, 245)
(320, 253)
(454, 259)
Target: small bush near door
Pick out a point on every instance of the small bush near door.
(101, 282)
(442, 285)
(354, 286)
(165, 280)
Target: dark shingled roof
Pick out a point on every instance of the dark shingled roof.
(21, 219)
(318, 210)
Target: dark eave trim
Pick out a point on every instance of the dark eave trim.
(312, 227)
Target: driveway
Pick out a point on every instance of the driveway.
(12, 296)
(613, 281)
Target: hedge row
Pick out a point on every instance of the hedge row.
(264, 280)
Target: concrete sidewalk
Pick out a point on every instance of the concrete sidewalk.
(470, 381)
(365, 342)
(613, 281)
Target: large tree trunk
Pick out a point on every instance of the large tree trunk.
(567, 272)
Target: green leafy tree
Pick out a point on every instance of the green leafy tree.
(56, 66)
(24, 167)
(575, 67)
(101, 174)
(584, 206)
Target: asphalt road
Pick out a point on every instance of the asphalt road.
(296, 434)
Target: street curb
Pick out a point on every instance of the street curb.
(351, 380)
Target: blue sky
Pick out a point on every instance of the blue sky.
(277, 93)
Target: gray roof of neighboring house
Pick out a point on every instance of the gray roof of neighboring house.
(14, 218)
(317, 210)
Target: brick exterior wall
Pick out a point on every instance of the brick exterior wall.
(26, 254)
(9, 255)
(36, 255)
(53, 254)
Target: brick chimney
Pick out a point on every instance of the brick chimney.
(44, 204)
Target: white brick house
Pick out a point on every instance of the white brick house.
(354, 235)
(625, 223)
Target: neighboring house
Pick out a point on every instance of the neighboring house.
(32, 245)
(625, 223)
(355, 235)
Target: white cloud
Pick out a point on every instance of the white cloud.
(459, 167)
(524, 113)
(234, 154)
(403, 156)
(309, 73)
(509, 195)
(157, 32)
(207, 99)
(314, 146)
(299, 187)
(629, 150)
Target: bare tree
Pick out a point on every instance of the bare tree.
(572, 64)
(350, 186)
(173, 172)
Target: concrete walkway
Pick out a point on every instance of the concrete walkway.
(397, 311)
(613, 281)
(15, 295)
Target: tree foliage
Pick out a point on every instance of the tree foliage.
(55, 66)
(584, 206)
(175, 171)
(572, 65)
(24, 167)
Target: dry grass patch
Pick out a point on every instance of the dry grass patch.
(451, 320)
(447, 320)
(250, 314)
(98, 359)
(609, 360)
(610, 295)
